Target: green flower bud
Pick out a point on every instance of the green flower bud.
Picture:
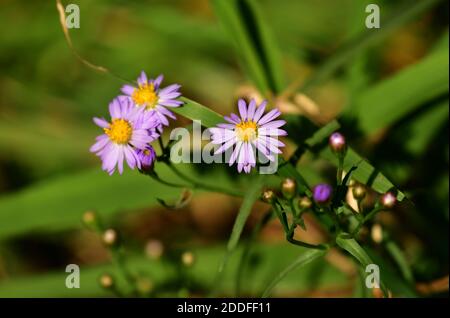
(110, 237)
(188, 258)
(359, 192)
(106, 281)
(289, 188)
(304, 203)
(268, 196)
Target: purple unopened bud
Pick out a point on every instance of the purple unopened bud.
(322, 193)
(337, 142)
(146, 157)
(388, 200)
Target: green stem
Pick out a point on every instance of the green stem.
(154, 176)
(197, 185)
(340, 169)
(365, 219)
(245, 254)
(289, 230)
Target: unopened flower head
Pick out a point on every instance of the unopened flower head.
(146, 157)
(337, 142)
(322, 193)
(149, 95)
(130, 128)
(289, 188)
(388, 200)
(249, 134)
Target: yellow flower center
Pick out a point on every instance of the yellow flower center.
(119, 131)
(247, 130)
(145, 95)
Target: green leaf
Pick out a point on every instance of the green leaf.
(352, 246)
(305, 258)
(399, 258)
(395, 97)
(250, 198)
(58, 204)
(196, 111)
(365, 173)
(243, 22)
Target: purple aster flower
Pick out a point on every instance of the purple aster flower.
(149, 95)
(146, 157)
(130, 128)
(322, 193)
(248, 134)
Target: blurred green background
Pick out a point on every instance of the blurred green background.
(391, 98)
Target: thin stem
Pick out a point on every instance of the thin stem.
(161, 145)
(289, 230)
(365, 219)
(245, 254)
(119, 261)
(167, 183)
(340, 170)
(198, 185)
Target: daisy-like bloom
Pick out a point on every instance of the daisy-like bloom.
(149, 95)
(249, 134)
(130, 128)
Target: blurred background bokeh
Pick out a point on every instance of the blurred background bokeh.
(48, 178)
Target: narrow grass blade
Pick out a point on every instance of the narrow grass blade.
(307, 257)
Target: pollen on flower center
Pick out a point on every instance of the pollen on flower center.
(145, 95)
(247, 130)
(120, 131)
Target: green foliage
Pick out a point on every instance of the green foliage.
(254, 42)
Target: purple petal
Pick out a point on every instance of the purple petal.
(251, 109)
(101, 122)
(273, 124)
(102, 141)
(170, 103)
(157, 81)
(114, 108)
(169, 89)
(127, 89)
(242, 109)
(269, 116)
(142, 78)
(259, 111)
(235, 153)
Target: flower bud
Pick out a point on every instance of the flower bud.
(89, 219)
(289, 188)
(268, 196)
(144, 285)
(359, 192)
(106, 281)
(110, 237)
(322, 193)
(154, 249)
(304, 203)
(188, 259)
(377, 233)
(337, 143)
(147, 158)
(388, 200)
